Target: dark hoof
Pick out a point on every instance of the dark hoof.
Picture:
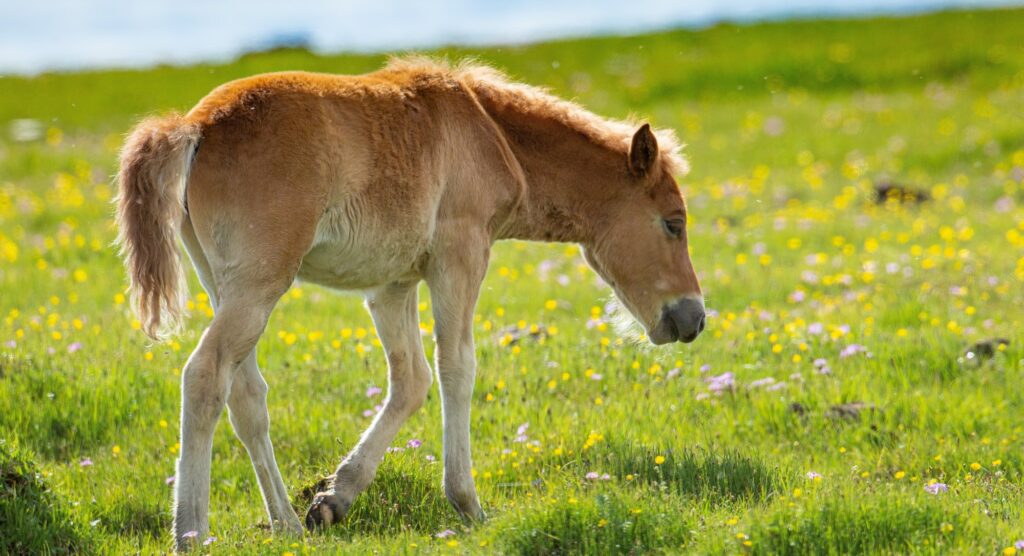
(325, 511)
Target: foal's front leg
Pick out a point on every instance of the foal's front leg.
(394, 314)
(454, 279)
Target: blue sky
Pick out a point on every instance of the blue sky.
(54, 34)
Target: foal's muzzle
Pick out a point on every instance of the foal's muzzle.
(681, 321)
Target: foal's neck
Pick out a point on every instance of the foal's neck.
(567, 176)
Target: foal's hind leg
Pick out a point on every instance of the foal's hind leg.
(394, 314)
(247, 407)
(206, 381)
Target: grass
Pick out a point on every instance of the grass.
(821, 297)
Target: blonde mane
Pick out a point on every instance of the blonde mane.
(481, 78)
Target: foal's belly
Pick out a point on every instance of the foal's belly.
(359, 256)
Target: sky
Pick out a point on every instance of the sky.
(40, 35)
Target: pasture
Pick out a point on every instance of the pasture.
(832, 405)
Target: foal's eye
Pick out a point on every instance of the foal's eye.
(674, 227)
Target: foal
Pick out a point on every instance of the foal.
(374, 183)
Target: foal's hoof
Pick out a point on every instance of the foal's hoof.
(327, 509)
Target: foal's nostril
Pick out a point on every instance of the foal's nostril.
(687, 318)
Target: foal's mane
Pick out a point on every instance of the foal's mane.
(481, 78)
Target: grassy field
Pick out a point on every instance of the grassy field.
(829, 408)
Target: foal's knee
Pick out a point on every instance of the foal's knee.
(204, 389)
(410, 382)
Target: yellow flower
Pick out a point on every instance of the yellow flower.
(975, 466)
(900, 474)
(1009, 551)
(658, 460)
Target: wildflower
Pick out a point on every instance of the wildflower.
(975, 466)
(521, 433)
(900, 474)
(724, 381)
(190, 535)
(814, 475)
(74, 347)
(936, 488)
(1019, 545)
(414, 443)
(592, 476)
(170, 480)
(658, 460)
(209, 541)
(86, 462)
(373, 391)
(445, 534)
(851, 350)
(766, 381)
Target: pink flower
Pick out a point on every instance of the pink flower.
(445, 534)
(766, 381)
(592, 476)
(170, 480)
(936, 488)
(86, 462)
(209, 541)
(190, 535)
(372, 391)
(414, 443)
(813, 475)
(724, 381)
(851, 350)
(74, 347)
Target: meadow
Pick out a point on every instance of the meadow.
(858, 390)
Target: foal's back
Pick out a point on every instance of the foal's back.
(346, 171)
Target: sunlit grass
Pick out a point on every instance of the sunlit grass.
(831, 387)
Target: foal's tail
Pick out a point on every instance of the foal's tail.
(155, 165)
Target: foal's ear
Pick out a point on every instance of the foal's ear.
(643, 153)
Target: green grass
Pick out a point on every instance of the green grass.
(789, 126)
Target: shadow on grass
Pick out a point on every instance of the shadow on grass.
(136, 518)
(405, 495)
(34, 520)
(607, 524)
(712, 477)
(871, 526)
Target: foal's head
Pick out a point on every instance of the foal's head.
(640, 247)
